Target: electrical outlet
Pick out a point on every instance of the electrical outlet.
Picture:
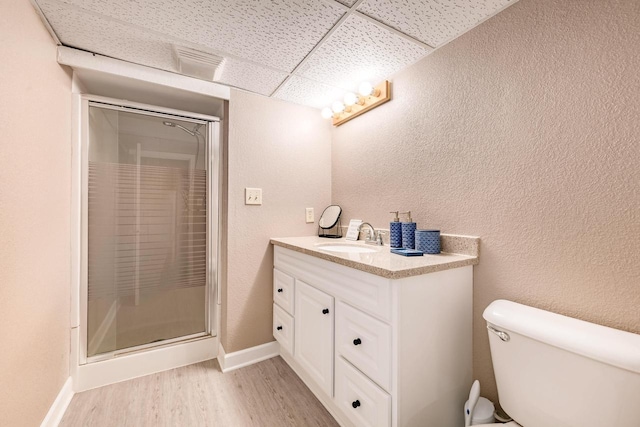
(252, 196)
(309, 216)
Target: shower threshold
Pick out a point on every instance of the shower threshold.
(145, 347)
(156, 357)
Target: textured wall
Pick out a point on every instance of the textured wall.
(285, 149)
(525, 132)
(35, 163)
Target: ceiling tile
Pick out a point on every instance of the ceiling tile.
(78, 28)
(246, 76)
(348, 3)
(265, 40)
(275, 33)
(306, 92)
(431, 21)
(357, 51)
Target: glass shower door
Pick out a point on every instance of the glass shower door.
(147, 229)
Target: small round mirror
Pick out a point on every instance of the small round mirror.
(330, 217)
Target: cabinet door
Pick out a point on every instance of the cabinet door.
(314, 334)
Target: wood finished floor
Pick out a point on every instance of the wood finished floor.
(268, 393)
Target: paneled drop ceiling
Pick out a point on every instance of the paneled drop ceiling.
(305, 51)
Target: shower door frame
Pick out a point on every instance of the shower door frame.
(101, 369)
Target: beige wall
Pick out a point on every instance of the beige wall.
(524, 131)
(35, 135)
(285, 149)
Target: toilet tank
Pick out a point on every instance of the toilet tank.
(553, 370)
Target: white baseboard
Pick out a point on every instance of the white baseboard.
(248, 356)
(122, 368)
(59, 406)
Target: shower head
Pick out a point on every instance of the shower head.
(175, 125)
(193, 132)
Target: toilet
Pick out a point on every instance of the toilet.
(556, 371)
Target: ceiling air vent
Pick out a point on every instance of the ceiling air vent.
(198, 64)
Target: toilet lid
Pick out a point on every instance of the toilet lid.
(509, 424)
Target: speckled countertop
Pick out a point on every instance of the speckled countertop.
(382, 262)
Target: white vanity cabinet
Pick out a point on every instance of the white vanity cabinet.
(376, 351)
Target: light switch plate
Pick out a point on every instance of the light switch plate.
(252, 196)
(309, 215)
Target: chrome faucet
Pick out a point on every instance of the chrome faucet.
(373, 237)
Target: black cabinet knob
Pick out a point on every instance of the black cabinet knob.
(325, 311)
(279, 289)
(355, 404)
(357, 341)
(279, 328)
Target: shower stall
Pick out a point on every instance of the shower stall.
(149, 227)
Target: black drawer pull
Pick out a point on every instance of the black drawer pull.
(325, 311)
(357, 341)
(279, 328)
(279, 289)
(355, 404)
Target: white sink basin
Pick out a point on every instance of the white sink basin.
(350, 249)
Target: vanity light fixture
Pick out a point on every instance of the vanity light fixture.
(369, 98)
(352, 99)
(367, 89)
(326, 113)
(337, 107)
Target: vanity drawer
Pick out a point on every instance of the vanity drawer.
(363, 402)
(365, 342)
(283, 328)
(283, 286)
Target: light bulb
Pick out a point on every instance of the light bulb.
(365, 89)
(350, 99)
(337, 107)
(326, 113)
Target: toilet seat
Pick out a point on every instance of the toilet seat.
(509, 424)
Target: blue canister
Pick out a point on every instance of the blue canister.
(428, 241)
(395, 232)
(408, 232)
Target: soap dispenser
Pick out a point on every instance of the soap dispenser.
(395, 231)
(408, 232)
